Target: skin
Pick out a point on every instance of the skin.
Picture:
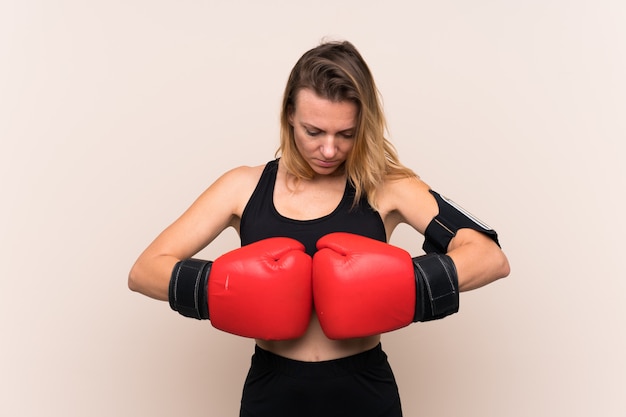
(323, 133)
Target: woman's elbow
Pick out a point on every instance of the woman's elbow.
(134, 278)
(150, 277)
(502, 266)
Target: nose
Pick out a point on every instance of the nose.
(328, 147)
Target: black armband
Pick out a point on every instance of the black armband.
(444, 226)
(188, 288)
(436, 287)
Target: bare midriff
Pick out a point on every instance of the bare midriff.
(314, 346)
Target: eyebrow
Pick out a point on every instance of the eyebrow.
(312, 127)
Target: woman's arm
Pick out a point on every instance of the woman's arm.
(478, 259)
(217, 208)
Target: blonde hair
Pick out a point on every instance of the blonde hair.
(337, 72)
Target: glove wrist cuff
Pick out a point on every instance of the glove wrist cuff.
(188, 288)
(437, 287)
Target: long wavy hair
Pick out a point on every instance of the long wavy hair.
(336, 71)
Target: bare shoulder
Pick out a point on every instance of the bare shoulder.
(408, 200)
(395, 193)
(242, 175)
(236, 186)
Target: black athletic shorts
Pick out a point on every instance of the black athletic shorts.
(361, 385)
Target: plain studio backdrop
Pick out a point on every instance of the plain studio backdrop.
(116, 115)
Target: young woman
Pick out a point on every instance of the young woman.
(315, 283)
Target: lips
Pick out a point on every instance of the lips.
(326, 164)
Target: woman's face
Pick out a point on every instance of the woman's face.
(324, 130)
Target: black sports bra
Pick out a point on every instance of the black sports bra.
(260, 219)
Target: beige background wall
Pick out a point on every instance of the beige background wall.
(115, 115)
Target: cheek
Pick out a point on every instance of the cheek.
(346, 146)
(302, 145)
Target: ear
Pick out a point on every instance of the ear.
(290, 112)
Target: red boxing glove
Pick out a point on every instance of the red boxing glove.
(362, 286)
(261, 290)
